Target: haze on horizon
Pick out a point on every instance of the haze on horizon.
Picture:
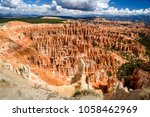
(74, 7)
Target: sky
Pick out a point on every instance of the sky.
(74, 7)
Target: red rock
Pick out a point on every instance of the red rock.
(53, 51)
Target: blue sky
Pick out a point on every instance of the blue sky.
(39, 2)
(75, 7)
(131, 4)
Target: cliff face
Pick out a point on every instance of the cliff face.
(139, 79)
(53, 51)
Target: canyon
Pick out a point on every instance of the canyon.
(76, 55)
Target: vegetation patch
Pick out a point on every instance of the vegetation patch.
(128, 68)
(145, 40)
(85, 93)
(109, 74)
(32, 20)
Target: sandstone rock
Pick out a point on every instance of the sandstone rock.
(6, 65)
(81, 68)
(139, 79)
(25, 71)
(81, 76)
(138, 94)
(0, 64)
(81, 40)
(53, 51)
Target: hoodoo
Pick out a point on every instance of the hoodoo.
(88, 52)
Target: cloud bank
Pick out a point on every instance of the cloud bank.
(84, 5)
(66, 7)
(11, 3)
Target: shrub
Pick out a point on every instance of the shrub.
(146, 42)
(127, 68)
(109, 74)
(85, 93)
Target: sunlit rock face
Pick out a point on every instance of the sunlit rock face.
(54, 51)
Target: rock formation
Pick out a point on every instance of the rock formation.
(53, 51)
(23, 70)
(80, 76)
(138, 80)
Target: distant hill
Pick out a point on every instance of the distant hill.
(134, 18)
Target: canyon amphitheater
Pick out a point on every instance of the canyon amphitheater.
(60, 61)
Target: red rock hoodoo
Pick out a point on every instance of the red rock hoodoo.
(53, 51)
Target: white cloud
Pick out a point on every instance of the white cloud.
(67, 7)
(11, 3)
(103, 3)
(19, 7)
(115, 11)
(84, 5)
(55, 7)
